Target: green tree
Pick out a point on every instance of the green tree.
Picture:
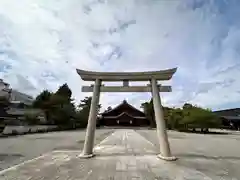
(42, 101)
(83, 111)
(175, 117)
(149, 112)
(191, 117)
(58, 107)
(62, 110)
(86, 103)
(64, 91)
(197, 117)
(187, 106)
(31, 119)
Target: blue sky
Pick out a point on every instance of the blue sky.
(42, 42)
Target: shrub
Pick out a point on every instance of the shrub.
(14, 132)
(31, 119)
(2, 126)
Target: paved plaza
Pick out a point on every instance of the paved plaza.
(17, 149)
(131, 154)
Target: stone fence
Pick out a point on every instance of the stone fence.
(8, 130)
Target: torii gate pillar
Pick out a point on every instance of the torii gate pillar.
(125, 77)
(165, 152)
(92, 118)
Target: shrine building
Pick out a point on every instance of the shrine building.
(123, 115)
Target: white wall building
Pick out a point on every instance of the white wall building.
(4, 89)
(19, 97)
(14, 95)
(17, 108)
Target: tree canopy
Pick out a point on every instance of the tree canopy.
(189, 117)
(64, 91)
(42, 99)
(60, 110)
(149, 112)
(83, 111)
(58, 107)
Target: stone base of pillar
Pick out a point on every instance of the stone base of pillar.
(86, 156)
(171, 158)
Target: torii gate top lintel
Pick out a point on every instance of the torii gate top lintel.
(131, 76)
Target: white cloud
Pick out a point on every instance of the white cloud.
(44, 42)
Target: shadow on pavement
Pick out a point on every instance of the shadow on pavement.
(125, 154)
(200, 156)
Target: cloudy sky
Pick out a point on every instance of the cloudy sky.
(42, 42)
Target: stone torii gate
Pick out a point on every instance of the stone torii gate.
(125, 77)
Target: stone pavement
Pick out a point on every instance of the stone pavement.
(15, 150)
(124, 155)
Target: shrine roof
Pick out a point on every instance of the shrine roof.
(124, 114)
(124, 103)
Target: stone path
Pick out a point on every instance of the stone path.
(124, 155)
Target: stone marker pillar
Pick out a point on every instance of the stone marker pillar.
(92, 118)
(165, 152)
